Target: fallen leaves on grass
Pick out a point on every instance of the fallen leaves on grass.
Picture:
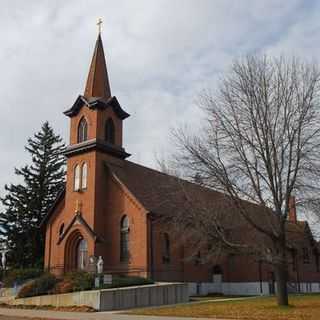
(53, 308)
(303, 307)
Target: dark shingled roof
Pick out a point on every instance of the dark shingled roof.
(159, 192)
(97, 103)
(162, 194)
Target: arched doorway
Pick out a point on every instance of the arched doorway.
(76, 252)
(82, 254)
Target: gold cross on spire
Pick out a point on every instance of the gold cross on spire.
(99, 24)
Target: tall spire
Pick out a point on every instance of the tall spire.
(98, 82)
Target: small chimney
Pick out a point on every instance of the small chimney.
(292, 216)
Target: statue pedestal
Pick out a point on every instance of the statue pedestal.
(103, 279)
(92, 266)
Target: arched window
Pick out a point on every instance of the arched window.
(84, 176)
(82, 254)
(124, 239)
(109, 132)
(77, 178)
(166, 248)
(82, 130)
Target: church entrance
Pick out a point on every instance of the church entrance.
(217, 277)
(76, 252)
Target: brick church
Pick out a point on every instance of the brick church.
(109, 207)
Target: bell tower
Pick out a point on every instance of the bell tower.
(96, 125)
(99, 111)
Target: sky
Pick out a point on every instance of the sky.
(160, 54)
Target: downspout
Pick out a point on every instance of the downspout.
(260, 276)
(298, 275)
(151, 247)
(50, 240)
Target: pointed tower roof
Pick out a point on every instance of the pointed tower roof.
(98, 81)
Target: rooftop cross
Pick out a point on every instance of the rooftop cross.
(99, 24)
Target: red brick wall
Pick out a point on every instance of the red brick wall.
(96, 120)
(104, 203)
(238, 268)
(113, 201)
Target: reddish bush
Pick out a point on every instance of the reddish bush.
(38, 286)
(64, 286)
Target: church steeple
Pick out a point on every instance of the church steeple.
(98, 81)
(96, 116)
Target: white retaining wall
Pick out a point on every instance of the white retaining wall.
(9, 292)
(143, 296)
(306, 287)
(242, 288)
(115, 299)
(229, 288)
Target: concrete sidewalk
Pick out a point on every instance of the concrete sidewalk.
(47, 314)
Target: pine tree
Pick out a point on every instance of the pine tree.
(26, 204)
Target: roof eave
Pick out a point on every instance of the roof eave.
(95, 103)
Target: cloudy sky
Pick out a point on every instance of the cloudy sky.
(160, 55)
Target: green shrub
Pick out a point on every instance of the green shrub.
(125, 281)
(20, 276)
(80, 281)
(39, 286)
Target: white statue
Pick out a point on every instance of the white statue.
(3, 258)
(100, 265)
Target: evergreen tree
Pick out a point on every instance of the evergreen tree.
(25, 204)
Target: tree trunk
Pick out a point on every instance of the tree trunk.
(281, 272)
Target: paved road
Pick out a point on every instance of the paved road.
(20, 314)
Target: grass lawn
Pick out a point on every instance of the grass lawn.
(302, 307)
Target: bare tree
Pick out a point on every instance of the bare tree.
(260, 144)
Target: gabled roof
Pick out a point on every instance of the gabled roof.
(97, 103)
(158, 192)
(163, 194)
(78, 218)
